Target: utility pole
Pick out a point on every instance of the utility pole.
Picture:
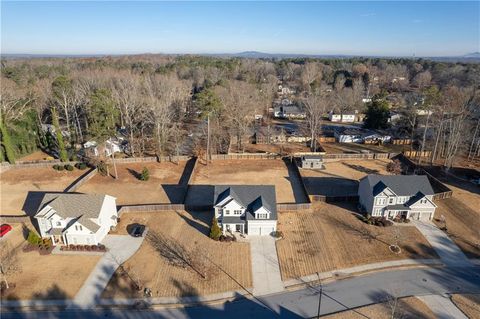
(113, 161)
(320, 295)
(208, 138)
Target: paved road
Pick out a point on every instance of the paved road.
(120, 248)
(337, 296)
(443, 245)
(443, 307)
(265, 267)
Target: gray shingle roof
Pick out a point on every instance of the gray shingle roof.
(251, 196)
(80, 206)
(233, 220)
(402, 185)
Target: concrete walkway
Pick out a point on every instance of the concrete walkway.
(120, 248)
(448, 251)
(265, 267)
(442, 307)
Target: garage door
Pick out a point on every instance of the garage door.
(254, 231)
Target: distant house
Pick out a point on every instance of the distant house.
(246, 209)
(83, 219)
(348, 135)
(289, 112)
(269, 135)
(312, 162)
(394, 117)
(407, 196)
(112, 145)
(343, 117)
(376, 138)
(283, 90)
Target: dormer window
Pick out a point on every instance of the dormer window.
(237, 212)
(262, 216)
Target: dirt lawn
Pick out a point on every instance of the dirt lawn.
(165, 279)
(35, 156)
(162, 187)
(469, 304)
(407, 308)
(462, 215)
(16, 184)
(58, 277)
(253, 172)
(329, 237)
(341, 178)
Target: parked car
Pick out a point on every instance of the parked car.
(4, 229)
(136, 230)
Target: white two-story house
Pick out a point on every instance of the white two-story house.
(83, 219)
(249, 209)
(408, 196)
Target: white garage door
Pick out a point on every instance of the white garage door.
(259, 230)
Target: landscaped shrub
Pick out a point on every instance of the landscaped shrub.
(145, 176)
(81, 166)
(68, 167)
(215, 231)
(33, 238)
(60, 167)
(278, 234)
(56, 167)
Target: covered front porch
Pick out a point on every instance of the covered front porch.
(393, 213)
(233, 228)
(56, 236)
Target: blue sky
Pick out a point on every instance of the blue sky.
(360, 28)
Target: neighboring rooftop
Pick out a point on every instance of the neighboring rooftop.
(402, 185)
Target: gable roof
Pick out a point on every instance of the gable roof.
(83, 207)
(253, 197)
(402, 185)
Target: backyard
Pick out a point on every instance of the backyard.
(246, 172)
(469, 304)
(341, 178)
(44, 276)
(162, 186)
(228, 264)
(286, 148)
(17, 184)
(329, 237)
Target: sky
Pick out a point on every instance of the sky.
(387, 28)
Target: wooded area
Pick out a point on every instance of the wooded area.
(57, 104)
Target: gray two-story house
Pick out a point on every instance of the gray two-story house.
(407, 196)
(247, 209)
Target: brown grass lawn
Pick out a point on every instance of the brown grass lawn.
(164, 279)
(15, 184)
(35, 156)
(469, 304)
(329, 238)
(255, 172)
(44, 277)
(407, 308)
(462, 215)
(341, 178)
(128, 189)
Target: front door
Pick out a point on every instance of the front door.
(238, 228)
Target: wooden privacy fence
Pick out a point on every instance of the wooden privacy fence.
(245, 156)
(404, 141)
(14, 219)
(37, 164)
(293, 206)
(81, 180)
(414, 154)
(332, 199)
(151, 208)
(324, 139)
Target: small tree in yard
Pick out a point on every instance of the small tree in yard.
(394, 167)
(145, 176)
(215, 231)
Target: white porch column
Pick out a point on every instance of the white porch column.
(52, 238)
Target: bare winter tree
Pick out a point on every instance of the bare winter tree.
(8, 261)
(315, 105)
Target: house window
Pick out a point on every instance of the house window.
(80, 227)
(227, 212)
(261, 216)
(390, 200)
(237, 212)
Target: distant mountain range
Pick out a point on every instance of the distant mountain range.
(470, 57)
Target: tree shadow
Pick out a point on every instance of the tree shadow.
(361, 168)
(295, 180)
(331, 186)
(134, 173)
(198, 220)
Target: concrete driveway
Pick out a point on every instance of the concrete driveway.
(120, 249)
(450, 254)
(265, 268)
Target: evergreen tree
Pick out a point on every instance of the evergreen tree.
(102, 114)
(145, 176)
(377, 114)
(215, 231)
(62, 152)
(7, 143)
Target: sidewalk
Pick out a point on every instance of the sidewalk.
(442, 307)
(265, 267)
(120, 248)
(448, 251)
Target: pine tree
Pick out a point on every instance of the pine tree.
(215, 231)
(7, 143)
(145, 176)
(62, 153)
